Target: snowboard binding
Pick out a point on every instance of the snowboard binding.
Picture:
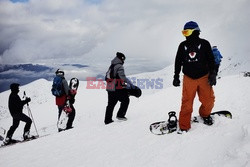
(172, 122)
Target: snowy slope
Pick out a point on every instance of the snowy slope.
(130, 143)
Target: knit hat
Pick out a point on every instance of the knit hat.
(189, 28)
(191, 25)
(121, 56)
(14, 86)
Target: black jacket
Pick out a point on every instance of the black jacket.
(16, 104)
(196, 58)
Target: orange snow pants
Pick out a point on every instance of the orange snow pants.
(189, 90)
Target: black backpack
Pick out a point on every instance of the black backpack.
(110, 73)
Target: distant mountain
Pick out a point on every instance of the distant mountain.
(26, 73)
(22, 74)
(26, 67)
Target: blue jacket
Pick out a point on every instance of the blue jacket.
(217, 56)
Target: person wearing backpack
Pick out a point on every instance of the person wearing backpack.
(64, 95)
(195, 58)
(16, 107)
(116, 89)
(217, 58)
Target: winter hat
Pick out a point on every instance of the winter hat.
(59, 72)
(120, 56)
(189, 28)
(14, 86)
(191, 25)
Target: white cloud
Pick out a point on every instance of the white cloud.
(78, 31)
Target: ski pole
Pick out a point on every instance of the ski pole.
(30, 114)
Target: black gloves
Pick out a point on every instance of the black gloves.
(72, 101)
(71, 98)
(176, 81)
(27, 100)
(212, 78)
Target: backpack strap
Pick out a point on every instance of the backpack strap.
(111, 69)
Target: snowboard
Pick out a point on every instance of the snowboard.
(162, 127)
(134, 91)
(63, 119)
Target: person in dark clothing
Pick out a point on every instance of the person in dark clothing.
(61, 101)
(196, 59)
(73, 112)
(117, 91)
(16, 107)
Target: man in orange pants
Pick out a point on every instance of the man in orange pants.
(196, 59)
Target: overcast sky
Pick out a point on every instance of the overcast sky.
(91, 31)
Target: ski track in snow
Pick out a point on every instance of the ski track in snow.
(130, 143)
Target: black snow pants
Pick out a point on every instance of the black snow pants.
(113, 97)
(16, 120)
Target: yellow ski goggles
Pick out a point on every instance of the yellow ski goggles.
(188, 32)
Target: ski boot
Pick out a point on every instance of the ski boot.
(26, 135)
(7, 141)
(172, 122)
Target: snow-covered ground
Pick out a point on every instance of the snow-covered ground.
(130, 143)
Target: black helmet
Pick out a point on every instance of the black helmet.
(59, 72)
(14, 86)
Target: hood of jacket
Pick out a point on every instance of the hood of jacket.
(116, 60)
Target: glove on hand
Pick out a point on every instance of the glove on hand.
(27, 100)
(176, 81)
(212, 79)
(72, 101)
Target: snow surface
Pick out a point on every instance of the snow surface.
(130, 143)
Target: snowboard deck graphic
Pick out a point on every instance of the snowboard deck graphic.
(160, 127)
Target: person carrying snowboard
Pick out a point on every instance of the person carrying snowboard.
(196, 59)
(217, 58)
(15, 108)
(64, 96)
(116, 89)
(72, 93)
